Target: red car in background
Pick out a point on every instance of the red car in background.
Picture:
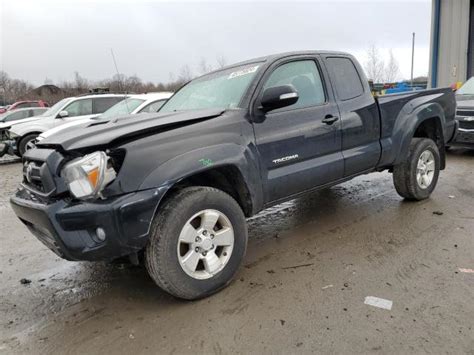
(25, 104)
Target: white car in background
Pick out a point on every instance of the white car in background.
(23, 135)
(10, 118)
(133, 104)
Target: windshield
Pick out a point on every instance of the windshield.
(124, 107)
(223, 89)
(54, 110)
(467, 88)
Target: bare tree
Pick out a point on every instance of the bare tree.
(4, 84)
(221, 61)
(185, 74)
(203, 67)
(392, 70)
(12, 90)
(374, 66)
(133, 84)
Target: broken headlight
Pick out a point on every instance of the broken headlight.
(86, 177)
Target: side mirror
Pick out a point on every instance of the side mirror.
(63, 114)
(278, 97)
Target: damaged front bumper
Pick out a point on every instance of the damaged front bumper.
(7, 145)
(99, 230)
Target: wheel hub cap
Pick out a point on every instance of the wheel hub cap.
(205, 244)
(425, 169)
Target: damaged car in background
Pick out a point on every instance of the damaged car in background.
(23, 135)
(174, 188)
(11, 118)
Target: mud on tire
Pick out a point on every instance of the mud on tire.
(405, 174)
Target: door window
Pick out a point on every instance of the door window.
(304, 76)
(79, 108)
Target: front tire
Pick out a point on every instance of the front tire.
(416, 177)
(26, 143)
(197, 242)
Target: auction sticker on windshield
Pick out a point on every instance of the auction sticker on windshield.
(245, 71)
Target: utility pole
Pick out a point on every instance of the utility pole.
(412, 57)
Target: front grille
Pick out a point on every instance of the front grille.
(37, 177)
(32, 175)
(466, 124)
(465, 113)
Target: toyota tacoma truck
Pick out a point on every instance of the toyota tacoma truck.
(174, 188)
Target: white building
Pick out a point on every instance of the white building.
(452, 42)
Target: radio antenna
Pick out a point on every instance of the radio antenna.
(119, 78)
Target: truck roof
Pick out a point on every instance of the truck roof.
(273, 57)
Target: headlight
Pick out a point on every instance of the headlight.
(86, 177)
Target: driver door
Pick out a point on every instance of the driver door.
(299, 145)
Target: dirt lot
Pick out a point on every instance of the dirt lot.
(310, 264)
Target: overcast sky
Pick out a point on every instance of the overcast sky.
(53, 39)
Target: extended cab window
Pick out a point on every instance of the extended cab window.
(304, 76)
(79, 108)
(345, 78)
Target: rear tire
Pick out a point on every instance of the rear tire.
(25, 143)
(417, 176)
(181, 233)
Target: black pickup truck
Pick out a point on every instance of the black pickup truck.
(175, 187)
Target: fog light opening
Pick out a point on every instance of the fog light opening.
(100, 233)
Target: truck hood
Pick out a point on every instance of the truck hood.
(104, 133)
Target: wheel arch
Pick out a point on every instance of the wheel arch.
(426, 121)
(228, 167)
(227, 178)
(21, 138)
(432, 128)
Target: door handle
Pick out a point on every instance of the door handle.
(329, 119)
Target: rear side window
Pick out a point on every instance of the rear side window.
(153, 107)
(34, 104)
(345, 78)
(102, 104)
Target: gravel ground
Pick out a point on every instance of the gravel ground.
(310, 264)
